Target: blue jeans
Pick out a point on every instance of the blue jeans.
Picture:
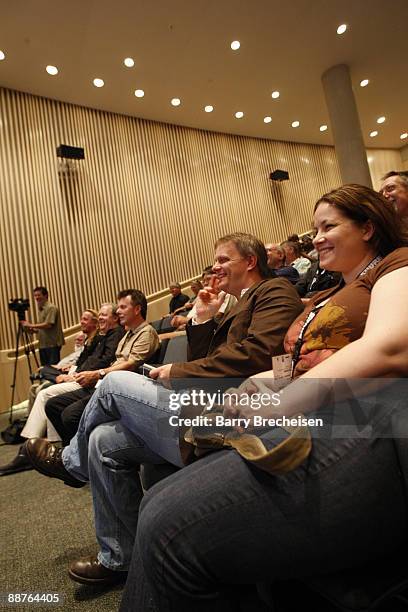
(221, 523)
(124, 424)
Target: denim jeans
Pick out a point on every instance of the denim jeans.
(124, 424)
(221, 522)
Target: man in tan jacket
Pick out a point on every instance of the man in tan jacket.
(129, 419)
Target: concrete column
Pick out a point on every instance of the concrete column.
(345, 123)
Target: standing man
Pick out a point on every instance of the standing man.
(49, 329)
(394, 188)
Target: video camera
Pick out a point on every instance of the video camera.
(20, 306)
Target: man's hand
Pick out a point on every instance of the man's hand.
(87, 379)
(178, 320)
(209, 301)
(28, 326)
(247, 409)
(64, 378)
(162, 374)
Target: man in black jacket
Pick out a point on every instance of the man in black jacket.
(178, 299)
(99, 353)
(316, 279)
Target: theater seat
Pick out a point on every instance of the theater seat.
(176, 350)
(157, 358)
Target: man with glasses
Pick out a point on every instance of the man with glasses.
(127, 422)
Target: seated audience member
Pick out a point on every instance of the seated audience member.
(276, 262)
(50, 373)
(394, 188)
(130, 413)
(97, 353)
(235, 523)
(89, 323)
(307, 247)
(179, 322)
(316, 279)
(181, 315)
(293, 238)
(195, 288)
(47, 375)
(138, 344)
(177, 301)
(293, 257)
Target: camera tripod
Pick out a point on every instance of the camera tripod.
(23, 336)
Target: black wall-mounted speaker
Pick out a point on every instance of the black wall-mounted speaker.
(68, 152)
(279, 175)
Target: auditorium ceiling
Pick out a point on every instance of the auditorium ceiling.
(181, 50)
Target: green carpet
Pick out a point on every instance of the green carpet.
(44, 526)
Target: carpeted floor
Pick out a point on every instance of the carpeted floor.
(44, 525)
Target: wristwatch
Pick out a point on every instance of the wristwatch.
(102, 374)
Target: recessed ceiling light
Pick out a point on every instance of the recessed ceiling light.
(323, 128)
(139, 93)
(176, 101)
(129, 62)
(2, 55)
(380, 119)
(53, 70)
(404, 136)
(209, 108)
(295, 123)
(275, 94)
(373, 133)
(98, 82)
(239, 115)
(364, 82)
(267, 119)
(342, 28)
(235, 45)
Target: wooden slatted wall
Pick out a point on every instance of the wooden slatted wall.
(142, 209)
